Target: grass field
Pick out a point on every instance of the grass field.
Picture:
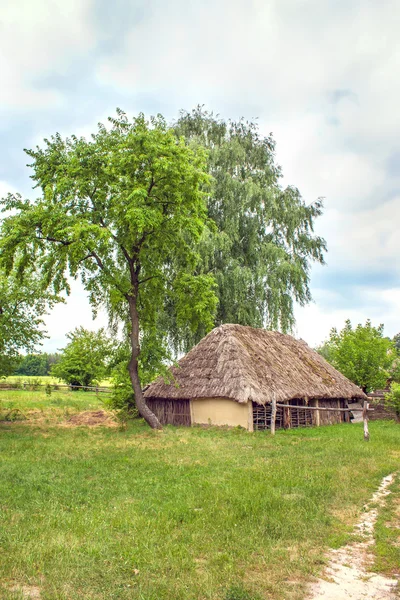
(37, 407)
(187, 514)
(42, 379)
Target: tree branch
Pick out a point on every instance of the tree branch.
(51, 239)
(105, 226)
(148, 278)
(102, 266)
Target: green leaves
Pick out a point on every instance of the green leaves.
(392, 399)
(362, 354)
(84, 361)
(23, 302)
(263, 243)
(123, 212)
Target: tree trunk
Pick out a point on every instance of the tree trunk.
(143, 409)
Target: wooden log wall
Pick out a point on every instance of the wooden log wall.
(330, 418)
(171, 412)
(377, 402)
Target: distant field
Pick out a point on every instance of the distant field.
(43, 379)
(182, 514)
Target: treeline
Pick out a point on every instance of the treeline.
(36, 364)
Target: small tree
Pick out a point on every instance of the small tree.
(84, 361)
(23, 302)
(362, 354)
(123, 212)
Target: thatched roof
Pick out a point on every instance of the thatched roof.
(243, 363)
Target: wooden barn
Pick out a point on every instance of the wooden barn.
(233, 374)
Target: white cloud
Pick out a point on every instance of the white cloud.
(76, 312)
(315, 159)
(314, 322)
(37, 39)
(320, 75)
(368, 239)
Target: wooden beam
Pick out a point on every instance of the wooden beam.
(319, 408)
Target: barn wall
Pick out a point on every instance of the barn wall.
(171, 412)
(298, 417)
(330, 418)
(221, 411)
(381, 411)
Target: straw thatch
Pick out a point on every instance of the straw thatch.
(243, 363)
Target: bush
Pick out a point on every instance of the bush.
(362, 354)
(84, 361)
(34, 383)
(122, 398)
(392, 400)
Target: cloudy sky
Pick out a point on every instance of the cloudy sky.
(322, 75)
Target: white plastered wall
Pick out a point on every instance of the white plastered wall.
(222, 411)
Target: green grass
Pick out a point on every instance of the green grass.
(38, 407)
(182, 514)
(387, 534)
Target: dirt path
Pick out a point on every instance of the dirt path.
(347, 575)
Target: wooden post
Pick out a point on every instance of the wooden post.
(365, 419)
(286, 418)
(273, 415)
(317, 415)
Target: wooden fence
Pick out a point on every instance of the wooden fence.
(381, 409)
(31, 386)
(365, 409)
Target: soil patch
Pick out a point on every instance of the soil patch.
(30, 592)
(90, 418)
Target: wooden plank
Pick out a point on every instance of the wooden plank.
(356, 408)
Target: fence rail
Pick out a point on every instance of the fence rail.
(322, 408)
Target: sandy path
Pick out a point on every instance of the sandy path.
(347, 571)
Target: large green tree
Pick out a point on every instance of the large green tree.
(23, 302)
(362, 354)
(262, 247)
(122, 211)
(85, 359)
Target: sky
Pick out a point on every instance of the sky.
(321, 75)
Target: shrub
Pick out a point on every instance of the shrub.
(392, 400)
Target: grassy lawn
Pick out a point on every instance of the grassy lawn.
(185, 514)
(37, 407)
